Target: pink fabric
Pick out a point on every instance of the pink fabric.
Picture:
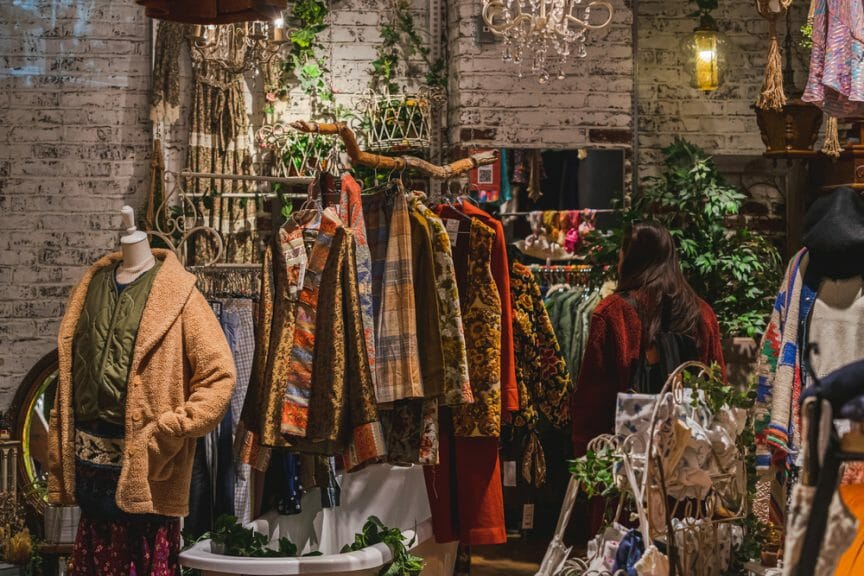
(135, 547)
(572, 240)
(836, 81)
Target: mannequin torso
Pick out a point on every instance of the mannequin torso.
(137, 256)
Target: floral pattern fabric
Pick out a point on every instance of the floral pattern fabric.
(283, 274)
(456, 384)
(482, 318)
(134, 547)
(541, 371)
(298, 378)
(341, 416)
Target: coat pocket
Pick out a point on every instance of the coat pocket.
(164, 452)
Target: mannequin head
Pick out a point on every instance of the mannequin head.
(834, 233)
(648, 269)
(137, 256)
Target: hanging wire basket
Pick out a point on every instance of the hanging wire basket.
(398, 122)
(291, 153)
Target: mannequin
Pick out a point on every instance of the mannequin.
(144, 370)
(821, 301)
(137, 257)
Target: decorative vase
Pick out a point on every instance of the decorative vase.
(791, 131)
(217, 547)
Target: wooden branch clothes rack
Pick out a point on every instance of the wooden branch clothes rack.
(395, 163)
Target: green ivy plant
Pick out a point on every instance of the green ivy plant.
(375, 532)
(237, 540)
(400, 42)
(302, 65)
(735, 269)
(594, 471)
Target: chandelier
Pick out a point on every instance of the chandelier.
(549, 32)
(237, 48)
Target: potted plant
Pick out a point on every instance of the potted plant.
(397, 119)
(793, 129)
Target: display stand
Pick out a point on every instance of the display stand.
(645, 481)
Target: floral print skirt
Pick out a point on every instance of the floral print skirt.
(133, 547)
(111, 542)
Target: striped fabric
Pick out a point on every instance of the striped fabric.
(397, 367)
(298, 385)
(351, 211)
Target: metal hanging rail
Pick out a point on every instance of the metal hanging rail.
(287, 180)
(580, 210)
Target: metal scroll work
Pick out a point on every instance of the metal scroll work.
(192, 225)
(677, 465)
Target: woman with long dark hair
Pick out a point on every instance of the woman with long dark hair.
(654, 320)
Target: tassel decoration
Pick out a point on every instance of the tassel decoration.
(772, 96)
(831, 145)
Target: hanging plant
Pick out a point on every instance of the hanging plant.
(397, 122)
(400, 41)
(302, 66)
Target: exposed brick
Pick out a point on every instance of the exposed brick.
(73, 107)
(599, 136)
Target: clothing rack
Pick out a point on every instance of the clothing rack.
(228, 280)
(395, 163)
(567, 273)
(581, 211)
(287, 180)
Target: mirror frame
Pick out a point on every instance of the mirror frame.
(29, 389)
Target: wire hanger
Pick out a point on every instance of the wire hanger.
(311, 205)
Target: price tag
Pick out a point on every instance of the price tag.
(528, 516)
(510, 473)
(452, 227)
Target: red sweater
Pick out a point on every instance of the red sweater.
(614, 347)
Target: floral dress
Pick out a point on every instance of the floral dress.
(541, 375)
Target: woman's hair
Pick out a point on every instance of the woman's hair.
(650, 273)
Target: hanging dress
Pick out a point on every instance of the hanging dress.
(465, 491)
(836, 79)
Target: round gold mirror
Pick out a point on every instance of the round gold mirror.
(31, 409)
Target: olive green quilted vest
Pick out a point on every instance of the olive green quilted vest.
(103, 344)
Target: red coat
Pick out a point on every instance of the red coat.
(614, 347)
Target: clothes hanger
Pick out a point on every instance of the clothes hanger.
(311, 205)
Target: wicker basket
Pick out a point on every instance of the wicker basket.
(398, 123)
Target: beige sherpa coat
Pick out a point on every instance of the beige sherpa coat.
(180, 382)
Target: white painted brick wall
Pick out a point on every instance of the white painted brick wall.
(74, 135)
(723, 122)
(491, 106)
(74, 140)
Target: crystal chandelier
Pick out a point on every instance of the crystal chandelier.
(237, 48)
(548, 32)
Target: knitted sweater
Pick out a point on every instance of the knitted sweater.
(611, 356)
(779, 370)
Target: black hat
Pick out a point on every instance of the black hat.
(834, 234)
(835, 223)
